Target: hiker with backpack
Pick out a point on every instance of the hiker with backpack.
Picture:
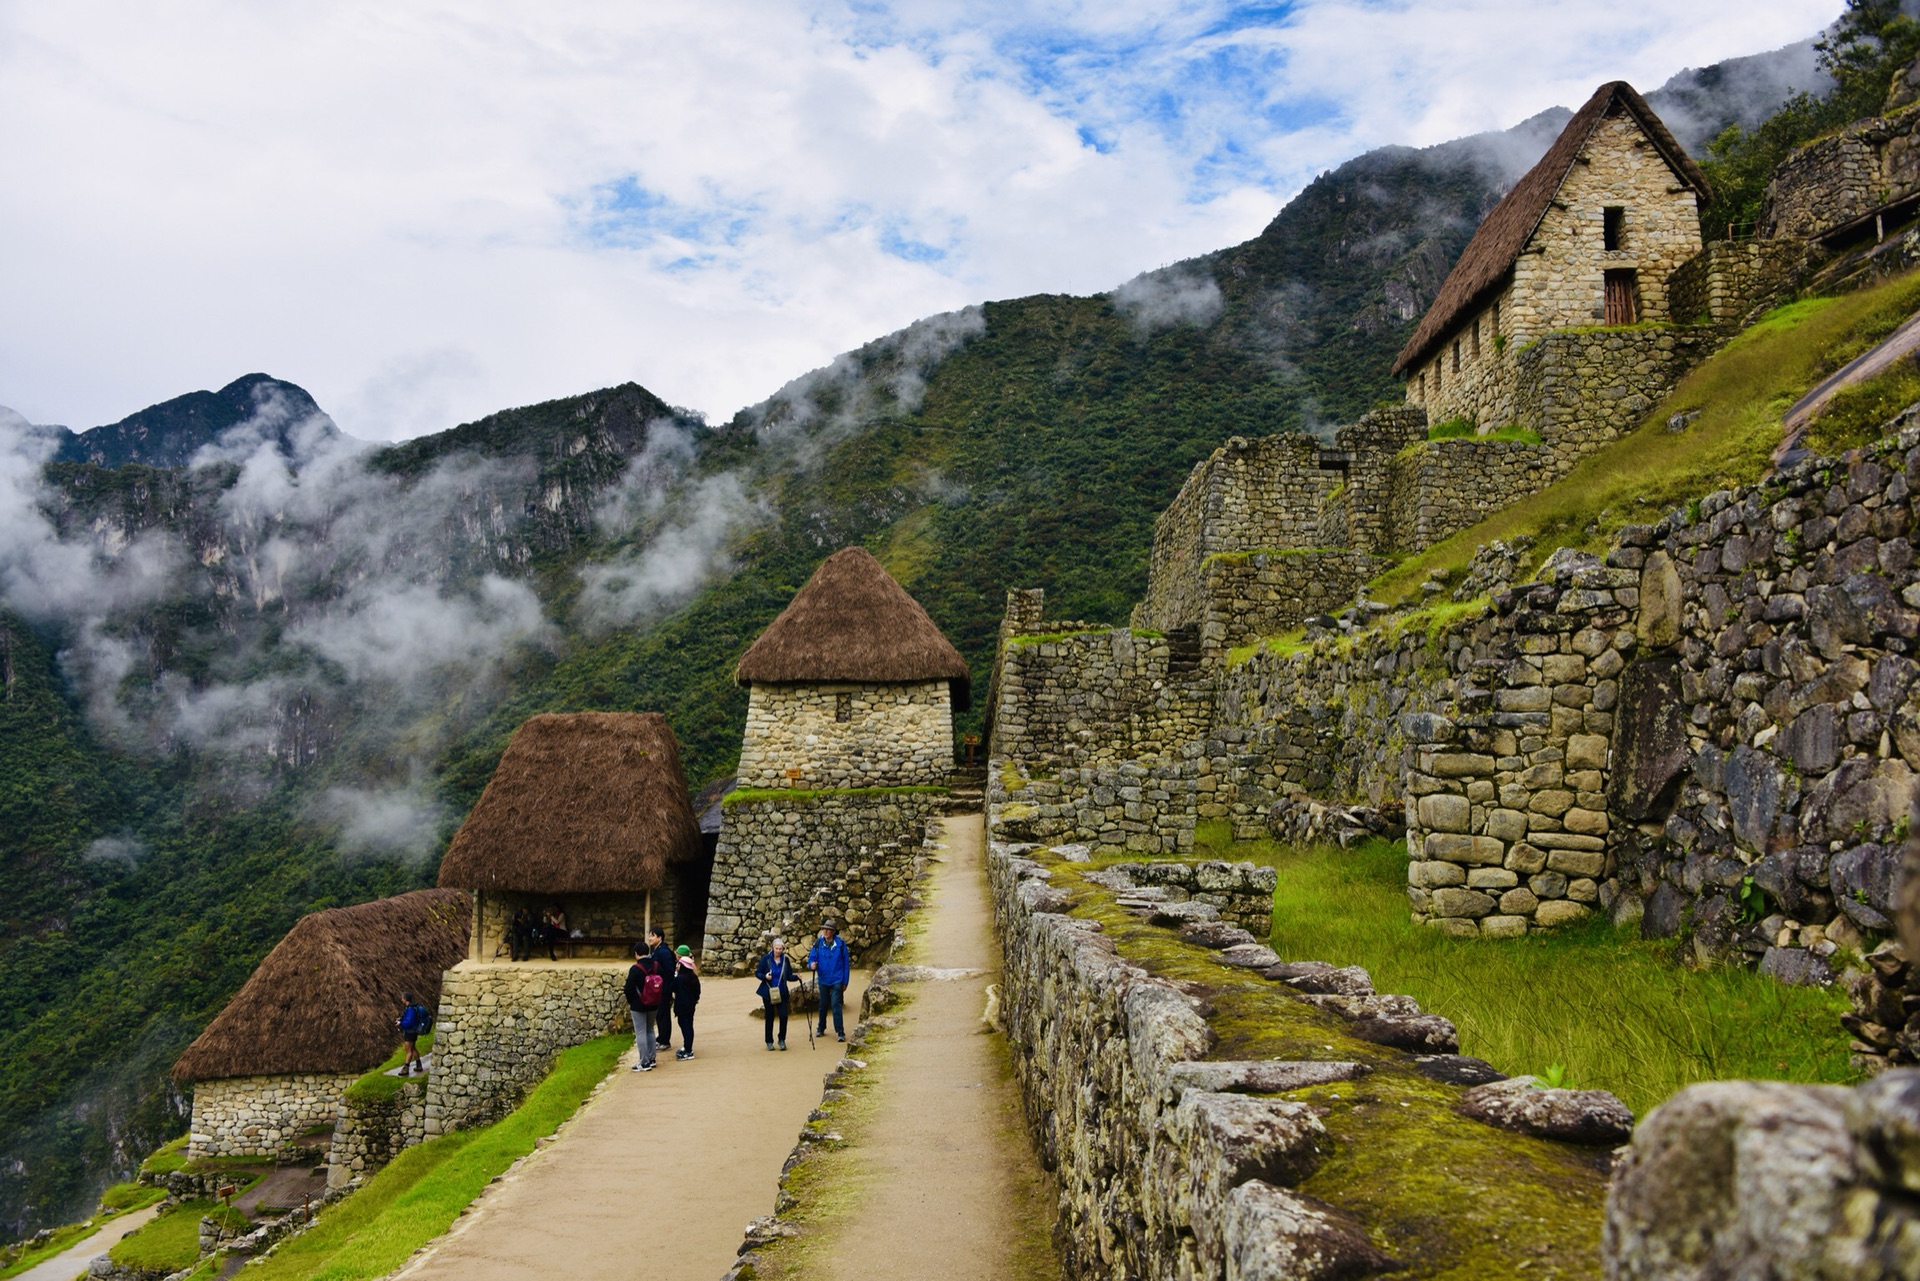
(646, 993)
(415, 1021)
(669, 965)
(686, 995)
(832, 968)
(775, 971)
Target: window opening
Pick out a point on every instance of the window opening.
(1613, 226)
(1623, 296)
(1456, 355)
(843, 707)
(1496, 317)
(1476, 337)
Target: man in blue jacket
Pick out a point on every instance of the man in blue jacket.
(832, 968)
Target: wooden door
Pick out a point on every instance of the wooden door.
(1623, 297)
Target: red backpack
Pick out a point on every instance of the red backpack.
(652, 987)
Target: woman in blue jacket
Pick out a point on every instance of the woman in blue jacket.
(775, 971)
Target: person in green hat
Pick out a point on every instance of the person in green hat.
(686, 995)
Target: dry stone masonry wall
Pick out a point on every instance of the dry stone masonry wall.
(1581, 389)
(1846, 176)
(1443, 486)
(837, 736)
(501, 1026)
(1247, 595)
(371, 1132)
(263, 1116)
(1731, 282)
(775, 855)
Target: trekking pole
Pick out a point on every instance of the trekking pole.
(810, 1017)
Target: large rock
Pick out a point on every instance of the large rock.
(1261, 1076)
(1884, 1118)
(1425, 1033)
(1864, 797)
(1650, 750)
(1215, 934)
(1730, 1179)
(1864, 881)
(1275, 1235)
(1754, 784)
(1347, 980)
(1660, 602)
(1524, 1104)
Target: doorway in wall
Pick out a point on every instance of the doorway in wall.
(1623, 296)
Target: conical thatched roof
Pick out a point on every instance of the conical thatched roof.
(581, 803)
(853, 622)
(1488, 259)
(325, 998)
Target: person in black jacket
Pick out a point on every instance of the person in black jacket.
(775, 971)
(686, 995)
(663, 957)
(520, 934)
(646, 994)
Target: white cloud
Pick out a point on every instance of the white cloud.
(423, 213)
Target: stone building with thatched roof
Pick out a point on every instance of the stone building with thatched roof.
(587, 811)
(851, 686)
(1588, 237)
(848, 748)
(317, 1012)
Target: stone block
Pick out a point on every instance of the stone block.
(1491, 878)
(1506, 825)
(1434, 874)
(1461, 765)
(1444, 813)
(1586, 751)
(1462, 902)
(1503, 927)
(1525, 859)
(1554, 802)
(1577, 862)
(1559, 912)
(1519, 902)
(1477, 850)
(1585, 822)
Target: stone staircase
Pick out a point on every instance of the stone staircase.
(967, 786)
(1183, 651)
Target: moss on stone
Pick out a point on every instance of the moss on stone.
(1450, 1197)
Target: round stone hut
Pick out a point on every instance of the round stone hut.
(851, 686)
(318, 1011)
(587, 813)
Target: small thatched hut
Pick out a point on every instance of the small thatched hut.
(587, 812)
(317, 1012)
(851, 686)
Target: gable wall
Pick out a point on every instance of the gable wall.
(899, 735)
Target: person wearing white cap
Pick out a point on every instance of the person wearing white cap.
(832, 967)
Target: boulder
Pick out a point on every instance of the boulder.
(1275, 1235)
(1524, 1104)
(1426, 1033)
(1348, 980)
(1178, 914)
(1214, 934)
(1796, 966)
(1249, 956)
(1730, 1179)
(1261, 1076)
(1650, 750)
(1863, 797)
(1864, 881)
(1457, 1069)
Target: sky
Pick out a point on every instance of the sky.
(426, 212)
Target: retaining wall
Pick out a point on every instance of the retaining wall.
(776, 853)
(1580, 389)
(263, 1116)
(1730, 282)
(501, 1026)
(1247, 595)
(1442, 486)
(370, 1134)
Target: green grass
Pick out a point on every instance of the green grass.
(747, 795)
(1458, 427)
(375, 1085)
(167, 1158)
(1614, 1010)
(1854, 416)
(172, 1241)
(418, 1196)
(1047, 638)
(1741, 394)
(124, 1197)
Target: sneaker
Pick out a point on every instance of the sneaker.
(840, 1036)
(636, 1068)
(687, 1053)
(646, 1067)
(769, 1045)
(682, 1055)
(783, 1044)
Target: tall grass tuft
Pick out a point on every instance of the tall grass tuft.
(1605, 1008)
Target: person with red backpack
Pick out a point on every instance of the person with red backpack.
(646, 993)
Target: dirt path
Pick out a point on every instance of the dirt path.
(948, 1182)
(660, 1173)
(73, 1260)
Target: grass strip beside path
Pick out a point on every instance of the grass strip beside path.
(1614, 1011)
(418, 1196)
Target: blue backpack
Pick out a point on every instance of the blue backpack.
(416, 1019)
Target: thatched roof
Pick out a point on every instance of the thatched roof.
(853, 622)
(325, 998)
(1487, 264)
(581, 803)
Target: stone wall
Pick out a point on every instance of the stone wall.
(1779, 719)
(1844, 176)
(1133, 807)
(845, 735)
(1731, 282)
(1171, 1163)
(776, 853)
(370, 1133)
(1582, 389)
(1107, 695)
(1506, 811)
(501, 1026)
(1364, 519)
(1248, 595)
(612, 923)
(1442, 486)
(1249, 494)
(263, 1116)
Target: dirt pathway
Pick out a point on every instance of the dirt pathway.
(73, 1260)
(948, 1182)
(659, 1174)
